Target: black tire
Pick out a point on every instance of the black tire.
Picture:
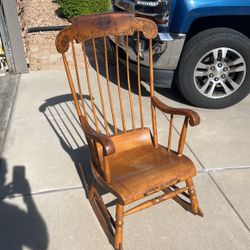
(195, 49)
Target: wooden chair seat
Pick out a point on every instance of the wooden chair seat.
(140, 170)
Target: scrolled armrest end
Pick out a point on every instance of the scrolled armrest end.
(108, 146)
(194, 118)
(104, 140)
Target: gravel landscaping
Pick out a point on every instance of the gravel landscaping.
(43, 54)
(40, 13)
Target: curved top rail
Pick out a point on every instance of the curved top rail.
(98, 25)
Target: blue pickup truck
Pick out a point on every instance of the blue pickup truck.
(203, 47)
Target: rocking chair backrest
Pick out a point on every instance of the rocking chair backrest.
(90, 30)
(126, 161)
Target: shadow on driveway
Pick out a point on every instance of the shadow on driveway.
(19, 228)
(59, 111)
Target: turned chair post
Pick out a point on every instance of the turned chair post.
(119, 226)
(192, 195)
(183, 136)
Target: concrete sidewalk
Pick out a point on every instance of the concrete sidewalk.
(43, 204)
(8, 86)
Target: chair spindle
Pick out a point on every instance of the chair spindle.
(170, 133)
(89, 86)
(108, 83)
(100, 87)
(183, 137)
(139, 77)
(78, 79)
(119, 84)
(152, 93)
(129, 85)
(71, 84)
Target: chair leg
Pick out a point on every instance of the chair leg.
(119, 227)
(193, 198)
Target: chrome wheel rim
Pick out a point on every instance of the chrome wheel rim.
(219, 73)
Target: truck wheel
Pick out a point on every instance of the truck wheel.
(214, 70)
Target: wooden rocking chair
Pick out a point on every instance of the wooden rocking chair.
(127, 160)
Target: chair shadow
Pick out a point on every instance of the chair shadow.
(19, 228)
(59, 111)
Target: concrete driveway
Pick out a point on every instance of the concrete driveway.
(43, 204)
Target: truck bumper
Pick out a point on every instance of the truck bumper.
(168, 58)
(167, 48)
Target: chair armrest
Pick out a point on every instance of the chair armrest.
(104, 140)
(194, 118)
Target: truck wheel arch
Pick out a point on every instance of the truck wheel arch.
(233, 22)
